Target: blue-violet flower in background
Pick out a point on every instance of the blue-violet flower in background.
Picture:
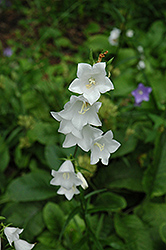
(141, 94)
(7, 52)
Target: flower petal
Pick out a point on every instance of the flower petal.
(23, 245)
(75, 86)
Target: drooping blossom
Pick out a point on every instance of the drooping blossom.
(89, 133)
(91, 81)
(65, 176)
(12, 234)
(141, 65)
(23, 245)
(84, 184)
(7, 52)
(130, 33)
(114, 37)
(102, 147)
(141, 94)
(76, 114)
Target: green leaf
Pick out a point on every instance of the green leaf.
(2, 218)
(48, 239)
(42, 132)
(31, 187)
(4, 155)
(40, 246)
(128, 143)
(133, 231)
(53, 153)
(53, 217)
(120, 175)
(98, 43)
(75, 211)
(126, 58)
(31, 219)
(157, 82)
(125, 82)
(94, 193)
(108, 202)
(154, 216)
(162, 232)
(155, 176)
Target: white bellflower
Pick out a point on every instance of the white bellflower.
(91, 81)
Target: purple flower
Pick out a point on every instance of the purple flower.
(141, 94)
(7, 52)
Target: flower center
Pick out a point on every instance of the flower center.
(66, 176)
(74, 188)
(84, 108)
(91, 83)
(101, 147)
(140, 92)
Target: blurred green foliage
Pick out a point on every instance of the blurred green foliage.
(48, 39)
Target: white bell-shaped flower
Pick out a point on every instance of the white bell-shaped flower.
(114, 36)
(69, 193)
(84, 184)
(23, 245)
(102, 147)
(66, 126)
(91, 81)
(65, 176)
(76, 114)
(12, 233)
(89, 133)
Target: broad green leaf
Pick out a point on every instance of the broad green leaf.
(53, 217)
(162, 232)
(120, 175)
(98, 43)
(157, 82)
(108, 202)
(49, 240)
(155, 176)
(154, 216)
(75, 211)
(40, 246)
(31, 187)
(43, 132)
(126, 57)
(128, 143)
(124, 83)
(94, 193)
(53, 153)
(31, 219)
(132, 230)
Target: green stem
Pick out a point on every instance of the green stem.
(90, 234)
(75, 151)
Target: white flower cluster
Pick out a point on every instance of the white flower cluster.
(77, 121)
(12, 235)
(68, 180)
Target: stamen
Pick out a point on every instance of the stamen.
(84, 108)
(101, 147)
(66, 176)
(140, 92)
(91, 82)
